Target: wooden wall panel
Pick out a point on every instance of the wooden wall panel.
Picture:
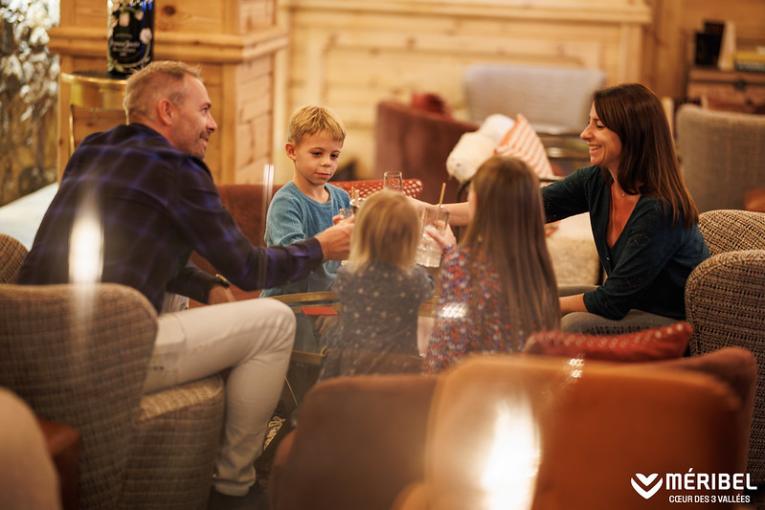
(256, 14)
(202, 16)
(350, 54)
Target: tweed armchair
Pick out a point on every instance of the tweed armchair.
(722, 155)
(725, 302)
(12, 254)
(86, 366)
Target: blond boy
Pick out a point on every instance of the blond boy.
(306, 205)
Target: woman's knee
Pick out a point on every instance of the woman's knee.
(580, 322)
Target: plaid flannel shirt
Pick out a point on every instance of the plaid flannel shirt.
(155, 204)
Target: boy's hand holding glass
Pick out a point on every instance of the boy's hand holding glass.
(343, 214)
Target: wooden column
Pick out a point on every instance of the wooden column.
(235, 43)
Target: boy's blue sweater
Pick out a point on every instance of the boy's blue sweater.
(293, 216)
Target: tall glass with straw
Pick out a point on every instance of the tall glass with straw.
(432, 218)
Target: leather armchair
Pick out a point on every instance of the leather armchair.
(79, 355)
(560, 434)
(360, 441)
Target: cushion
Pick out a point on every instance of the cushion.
(498, 134)
(430, 102)
(522, 142)
(469, 153)
(475, 147)
(661, 343)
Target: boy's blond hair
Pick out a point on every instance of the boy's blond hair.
(387, 230)
(310, 120)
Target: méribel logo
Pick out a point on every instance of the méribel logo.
(646, 487)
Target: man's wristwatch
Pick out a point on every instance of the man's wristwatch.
(222, 281)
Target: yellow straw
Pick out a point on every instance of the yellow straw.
(443, 189)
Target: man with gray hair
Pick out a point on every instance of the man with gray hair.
(156, 202)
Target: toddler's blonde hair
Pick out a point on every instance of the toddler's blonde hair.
(387, 230)
(310, 120)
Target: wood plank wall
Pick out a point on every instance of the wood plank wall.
(350, 54)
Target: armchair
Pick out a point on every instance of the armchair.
(79, 355)
(557, 110)
(722, 155)
(724, 301)
(361, 440)
(521, 430)
(417, 142)
(555, 100)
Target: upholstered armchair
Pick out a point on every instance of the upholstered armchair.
(79, 355)
(557, 110)
(417, 143)
(722, 155)
(558, 433)
(725, 302)
(554, 100)
(360, 441)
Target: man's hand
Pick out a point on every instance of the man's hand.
(336, 240)
(219, 294)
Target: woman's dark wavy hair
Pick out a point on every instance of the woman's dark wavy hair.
(648, 162)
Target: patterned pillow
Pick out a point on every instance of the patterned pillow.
(522, 142)
(661, 343)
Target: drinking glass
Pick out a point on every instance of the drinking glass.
(428, 250)
(394, 181)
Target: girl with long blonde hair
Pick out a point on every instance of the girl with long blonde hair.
(497, 286)
(380, 290)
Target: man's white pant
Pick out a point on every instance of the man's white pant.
(255, 338)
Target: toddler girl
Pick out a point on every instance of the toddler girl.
(380, 290)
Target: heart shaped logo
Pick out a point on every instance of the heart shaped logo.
(646, 481)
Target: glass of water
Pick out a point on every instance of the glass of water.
(393, 181)
(428, 250)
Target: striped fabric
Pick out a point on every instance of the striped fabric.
(522, 142)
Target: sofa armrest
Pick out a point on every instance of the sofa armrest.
(724, 302)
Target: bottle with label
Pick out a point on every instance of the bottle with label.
(130, 36)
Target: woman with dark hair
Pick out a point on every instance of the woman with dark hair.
(644, 221)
